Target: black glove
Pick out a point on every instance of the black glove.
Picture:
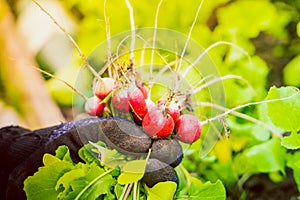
(21, 150)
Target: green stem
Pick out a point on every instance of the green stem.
(124, 191)
(149, 153)
(92, 182)
(186, 174)
(138, 190)
(107, 98)
(135, 186)
(128, 191)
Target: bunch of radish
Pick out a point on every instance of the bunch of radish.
(161, 120)
(145, 125)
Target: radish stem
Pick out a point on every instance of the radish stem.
(189, 34)
(233, 111)
(65, 82)
(230, 76)
(107, 31)
(211, 47)
(154, 40)
(132, 32)
(86, 64)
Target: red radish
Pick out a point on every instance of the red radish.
(158, 125)
(120, 100)
(143, 88)
(138, 120)
(188, 128)
(173, 108)
(150, 104)
(104, 87)
(93, 106)
(137, 101)
(174, 111)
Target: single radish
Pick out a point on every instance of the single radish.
(188, 128)
(137, 101)
(93, 106)
(174, 113)
(104, 87)
(157, 124)
(173, 108)
(120, 100)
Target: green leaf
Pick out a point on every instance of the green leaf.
(243, 165)
(195, 183)
(250, 22)
(226, 173)
(49, 159)
(293, 161)
(206, 191)
(292, 70)
(55, 166)
(118, 190)
(86, 154)
(89, 154)
(94, 184)
(210, 190)
(61, 153)
(298, 29)
(108, 157)
(42, 184)
(285, 113)
(161, 191)
(68, 177)
(132, 171)
(267, 157)
(291, 142)
(192, 187)
(263, 116)
(61, 179)
(89, 181)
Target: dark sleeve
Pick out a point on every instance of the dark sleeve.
(16, 145)
(24, 150)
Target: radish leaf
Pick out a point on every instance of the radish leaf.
(132, 171)
(267, 157)
(161, 191)
(285, 113)
(291, 142)
(61, 179)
